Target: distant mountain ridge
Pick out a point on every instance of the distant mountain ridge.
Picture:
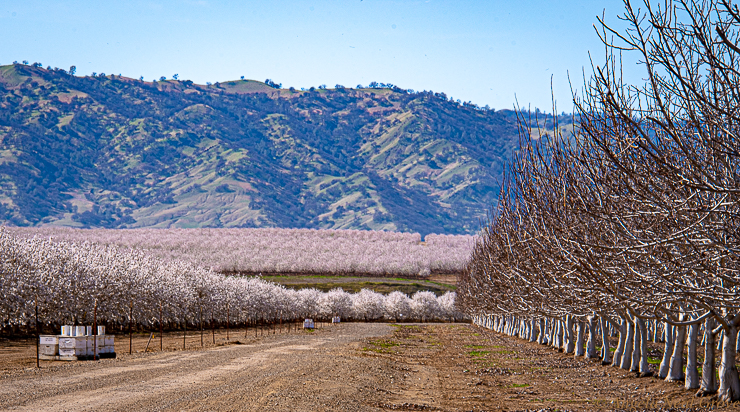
(115, 152)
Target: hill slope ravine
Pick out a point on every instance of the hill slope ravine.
(110, 151)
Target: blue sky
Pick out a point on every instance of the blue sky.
(486, 52)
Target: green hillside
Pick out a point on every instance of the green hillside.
(110, 151)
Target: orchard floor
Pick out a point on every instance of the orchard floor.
(347, 367)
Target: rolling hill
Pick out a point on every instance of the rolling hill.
(115, 152)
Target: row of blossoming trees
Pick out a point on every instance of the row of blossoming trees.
(630, 224)
(362, 252)
(72, 282)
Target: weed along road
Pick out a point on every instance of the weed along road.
(345, 367)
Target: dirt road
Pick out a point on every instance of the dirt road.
(347, 367)
(322, 370)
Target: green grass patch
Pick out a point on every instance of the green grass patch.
(479, 353)
(383, 343)
(654, 361)
(505, 352)
(408, 328)
(520, 385)
(475, 346)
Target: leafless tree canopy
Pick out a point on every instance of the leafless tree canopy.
(633, 217)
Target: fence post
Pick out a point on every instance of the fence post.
(38, 334)
(95, 330)
(130, 336)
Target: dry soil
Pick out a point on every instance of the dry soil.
(347, 367)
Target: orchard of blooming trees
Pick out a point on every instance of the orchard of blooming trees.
(629, 226)
(285, 250)
(69, 282)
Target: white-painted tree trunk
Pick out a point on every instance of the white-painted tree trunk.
(665, 364)
(580, 339)
(542, 339)
(553, 332)
(620, 346)
(692, 373)
(708, 371)
(591, 342)
(636, 347)
(570, 344)
(626, 361)
(729, 385)
(675, 372)
(562, 335)
(720, 340)
(644, 364)
(605, 352)
(535, 330)
(520, 329)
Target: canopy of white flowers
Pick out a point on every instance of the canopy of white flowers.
(285, 250)
(69, 281)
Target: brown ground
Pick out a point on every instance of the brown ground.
(347, 367)
(449, 279)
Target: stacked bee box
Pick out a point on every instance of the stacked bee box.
(49, 346)
(73, 347)
(77, 343)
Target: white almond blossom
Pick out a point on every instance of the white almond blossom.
(69, 280)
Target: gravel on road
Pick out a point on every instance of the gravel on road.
(320, 370)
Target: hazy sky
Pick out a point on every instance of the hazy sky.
(482, 51)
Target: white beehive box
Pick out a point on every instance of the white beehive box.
(48, 340)
(308, 324)
(78, 343)
(49, 350)
(67, 353)
(92, 340)
(100, 341)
